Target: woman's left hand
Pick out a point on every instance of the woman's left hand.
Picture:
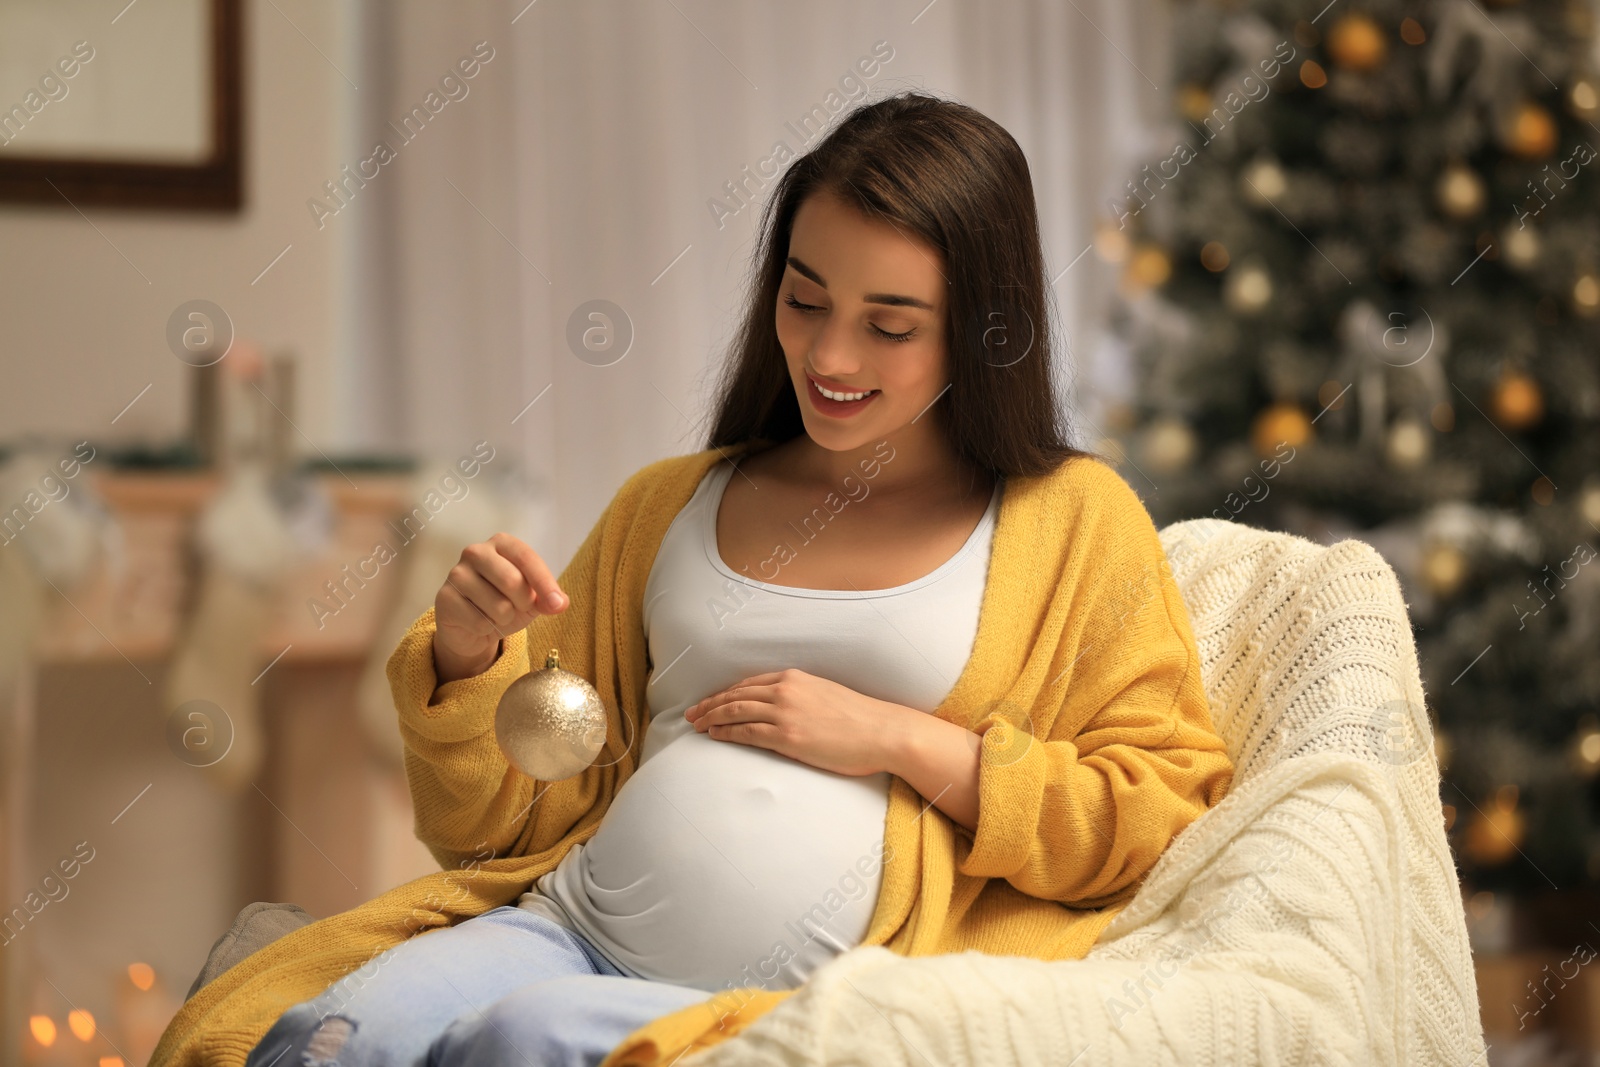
(807, 718)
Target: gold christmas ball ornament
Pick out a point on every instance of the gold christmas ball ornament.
(1246, 290)
(1168, 445)
(1409, 443)
(1460, 191)
(550, 723)
(1356, 43)
(1281, 423)
(1531, 133)
(1444, 568)
(1495, 832)
(1516, 401)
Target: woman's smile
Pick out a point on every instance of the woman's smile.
(835, 405)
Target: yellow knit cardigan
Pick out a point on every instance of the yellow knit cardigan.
(1084, 681)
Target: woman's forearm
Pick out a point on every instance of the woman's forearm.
(939, 760)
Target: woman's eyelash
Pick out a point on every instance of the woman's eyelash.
(789, 299)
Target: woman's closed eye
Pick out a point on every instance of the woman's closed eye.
(885, 334)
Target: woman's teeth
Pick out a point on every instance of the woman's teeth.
(831, 395)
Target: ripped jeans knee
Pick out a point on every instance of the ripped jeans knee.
(303, 1037)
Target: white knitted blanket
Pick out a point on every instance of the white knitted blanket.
(1312, 917)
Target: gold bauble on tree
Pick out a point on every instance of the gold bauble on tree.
(1409, 443)
(1194, 102)
(1584, 99)
(1246, 289)
(550, 723)
(1589, 500)
(1356, 43)
(1460, 191)
(1168, 445)
(1521, 245)
(1263, 181)
(1148, 268)
(1280, 423)
(1495, 832)
(1516, 401)
(1586, 295)
(1444, 568)
(1531, 132)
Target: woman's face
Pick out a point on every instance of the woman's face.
(861, 308)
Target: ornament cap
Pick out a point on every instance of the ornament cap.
(552, 659)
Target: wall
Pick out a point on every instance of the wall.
(85, 295)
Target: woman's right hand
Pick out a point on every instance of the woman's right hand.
(499, 586)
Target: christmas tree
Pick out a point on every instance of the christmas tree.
(1363, 292)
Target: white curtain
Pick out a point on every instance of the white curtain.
(580, 165)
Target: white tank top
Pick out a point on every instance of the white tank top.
(720, 865)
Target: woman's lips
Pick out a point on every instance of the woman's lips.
(837, 408)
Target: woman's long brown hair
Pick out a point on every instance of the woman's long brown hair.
(958, 180)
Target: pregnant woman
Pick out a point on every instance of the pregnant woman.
(889, 662)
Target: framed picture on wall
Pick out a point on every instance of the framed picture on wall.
(112, 102)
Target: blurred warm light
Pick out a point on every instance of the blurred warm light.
(1263, 181)
(1194, 102)
(1533, 132)
(111, 1061)
(1111, 244)
(1214, 256)
(1330, 394)
(43, 1029)
(141, 975)
(1356, 42)
(1411, 31)
(81, 1023)
(1443, 417)
(1481, 904)
(1312, 75)
(1586, 293)
(1522, 246)
(1149, 268)
(1449, 816)
(1247, 290)
(1585, 99)
(1544, 491)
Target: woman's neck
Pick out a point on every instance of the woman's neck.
(907, 464)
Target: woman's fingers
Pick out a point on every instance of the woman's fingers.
(493, 609)
(503, 575)
(536, 576)
(735, 711)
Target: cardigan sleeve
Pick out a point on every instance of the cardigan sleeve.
(1131, 757)
(462, 789)
(466, 795)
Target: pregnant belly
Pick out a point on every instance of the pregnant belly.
(719, 864)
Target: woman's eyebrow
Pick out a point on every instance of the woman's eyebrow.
(892, 299)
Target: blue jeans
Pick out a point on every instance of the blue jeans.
(507, 988)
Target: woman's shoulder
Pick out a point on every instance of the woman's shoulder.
(671, 478)
(1089, 484)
